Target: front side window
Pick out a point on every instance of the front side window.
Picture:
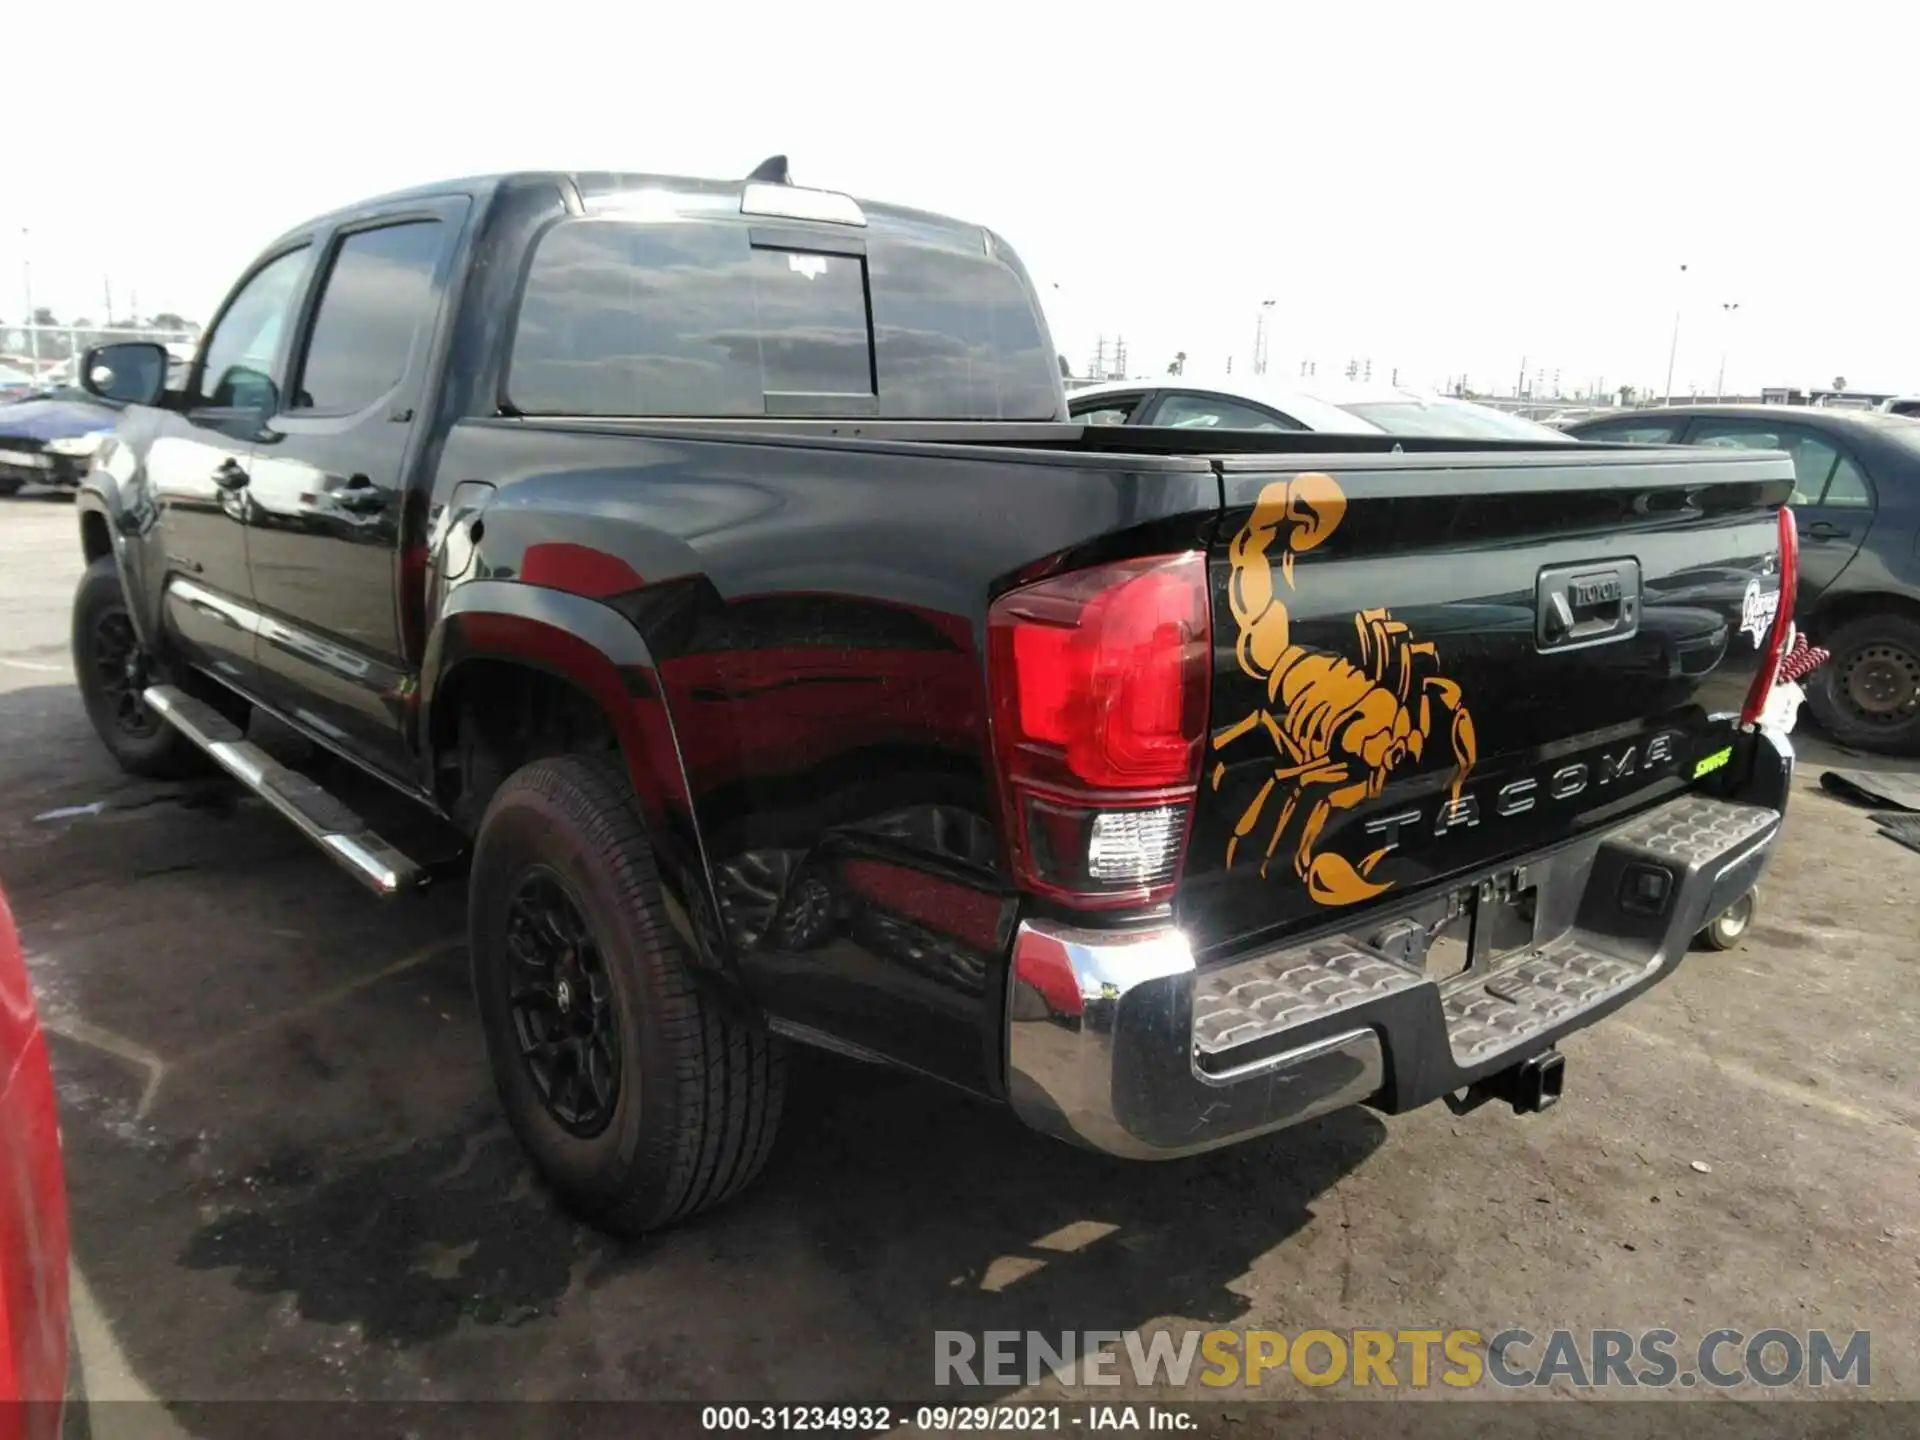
(238, 372)
(1213, 412)
(378, 300)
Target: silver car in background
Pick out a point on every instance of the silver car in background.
(1229, 403)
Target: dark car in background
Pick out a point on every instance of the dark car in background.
(1857, 504)
(48, 438)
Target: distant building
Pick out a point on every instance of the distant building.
(1833, 399)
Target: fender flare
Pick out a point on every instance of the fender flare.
(104, 491)
(596, 650)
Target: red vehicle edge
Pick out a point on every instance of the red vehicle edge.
(33, 1212)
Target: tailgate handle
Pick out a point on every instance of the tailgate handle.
(1587, 604)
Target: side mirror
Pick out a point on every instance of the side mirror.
(132, 373)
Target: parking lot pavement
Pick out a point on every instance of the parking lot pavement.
(288, 1177)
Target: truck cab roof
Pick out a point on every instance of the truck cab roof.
(643, 194)
(637, 295)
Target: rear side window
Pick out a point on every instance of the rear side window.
(378, 298)
(724, 319)
(1848, 487)
(1633, 432)
(1104, 409)
(1214, 412)
(1814, 457)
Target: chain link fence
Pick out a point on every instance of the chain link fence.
(41, 356)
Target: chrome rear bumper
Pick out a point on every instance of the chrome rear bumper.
(1121, 1042)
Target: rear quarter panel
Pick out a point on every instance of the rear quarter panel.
(812, 615)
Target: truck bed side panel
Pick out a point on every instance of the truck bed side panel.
(816, 617)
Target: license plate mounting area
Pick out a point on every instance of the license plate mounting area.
(1469, 930)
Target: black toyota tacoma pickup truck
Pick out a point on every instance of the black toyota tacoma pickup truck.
(717, 560)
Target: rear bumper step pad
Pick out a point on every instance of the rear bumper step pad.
(343, 835)
(1121, 1041)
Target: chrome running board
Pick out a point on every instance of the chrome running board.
(339, 832)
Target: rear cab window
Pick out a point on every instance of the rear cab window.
(723, 317)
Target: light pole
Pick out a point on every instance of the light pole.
(1726, 322)
(33, 330)
(1674, 348)
(1260, 338)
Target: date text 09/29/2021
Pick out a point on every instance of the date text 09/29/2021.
(944, 1419)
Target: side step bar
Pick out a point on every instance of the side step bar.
(317, 815)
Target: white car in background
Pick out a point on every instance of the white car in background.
(1189, 402)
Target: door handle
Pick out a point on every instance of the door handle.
(1826, 530)
(231, 475)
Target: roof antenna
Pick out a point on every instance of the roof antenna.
(772, 171)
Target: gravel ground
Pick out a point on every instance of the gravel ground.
(288, 1177)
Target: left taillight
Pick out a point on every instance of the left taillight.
(1100, 682)
(1779, 635)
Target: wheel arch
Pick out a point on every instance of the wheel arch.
(1831, 612)
(115, 518)
(96, 536)
(504, 646)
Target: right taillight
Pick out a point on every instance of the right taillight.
(1100, 683)
(1782, 628)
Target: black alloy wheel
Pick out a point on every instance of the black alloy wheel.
(114, 670)
(120, 673)
(642, 1093)
(561, 999)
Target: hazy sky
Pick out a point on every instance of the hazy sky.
(1442, 187)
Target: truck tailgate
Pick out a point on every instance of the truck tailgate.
(1426, 663)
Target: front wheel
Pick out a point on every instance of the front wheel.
(112, 670)
(641, 1099)
(1868, 695)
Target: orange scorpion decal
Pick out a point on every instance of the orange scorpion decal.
(1340, 728)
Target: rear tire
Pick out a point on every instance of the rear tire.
(639, 1097)
(1867, 696)
(110, 668)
